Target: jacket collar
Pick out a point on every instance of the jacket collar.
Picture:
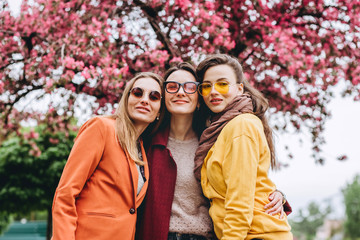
(161, 137)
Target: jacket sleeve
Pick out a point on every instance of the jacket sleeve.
(239, 171)
(287, 207)
(83, 159)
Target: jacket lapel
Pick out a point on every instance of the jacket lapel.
(146, 170)
(134, 175)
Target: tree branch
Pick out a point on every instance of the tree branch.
(10, 63)
(151, 16)
(18, 97)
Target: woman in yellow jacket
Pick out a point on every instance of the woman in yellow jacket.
(106, 175)
(235, 153)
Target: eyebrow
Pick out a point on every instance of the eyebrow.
(179, 82)
(217, 80)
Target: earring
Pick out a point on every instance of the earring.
(157, 118)
(198, 107)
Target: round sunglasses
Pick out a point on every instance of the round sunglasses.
(221, 87)
(174, 87)
(139, 92)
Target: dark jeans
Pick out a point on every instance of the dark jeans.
(184, 236)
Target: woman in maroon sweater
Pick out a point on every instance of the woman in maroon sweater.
(174, 207)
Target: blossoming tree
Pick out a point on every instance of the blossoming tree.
(66, 59)
(73, 57)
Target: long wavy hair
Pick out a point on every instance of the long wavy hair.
(259, 102)
(199, 118)
(124, 126)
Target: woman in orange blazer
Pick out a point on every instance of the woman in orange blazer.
(106, 175)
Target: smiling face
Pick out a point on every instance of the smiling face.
(216, 101)
(144, 109)
(181, 103)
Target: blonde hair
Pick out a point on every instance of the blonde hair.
(124, 126)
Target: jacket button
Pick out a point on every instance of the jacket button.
(132, 211)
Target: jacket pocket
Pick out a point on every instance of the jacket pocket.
(98, 214)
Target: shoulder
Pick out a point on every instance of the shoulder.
(243, 124)
(245, 119)
(159, 138)
(98, 124)
(100, 121)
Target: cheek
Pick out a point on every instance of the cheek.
(231, 94)
(129, 111)
(206, 100)
(195, 100)
(157, 106)
(167, 100)
(131, 102)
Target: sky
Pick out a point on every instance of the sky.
(304, 180)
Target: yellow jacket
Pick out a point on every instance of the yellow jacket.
(234, 177)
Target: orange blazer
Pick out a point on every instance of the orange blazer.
(97, 194)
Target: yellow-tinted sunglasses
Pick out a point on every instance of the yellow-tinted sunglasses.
(220, 87)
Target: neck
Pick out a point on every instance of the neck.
(140, 129)
(181, 127)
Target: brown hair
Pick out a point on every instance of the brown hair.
(198, 123)
(260, 103)
(124, 127)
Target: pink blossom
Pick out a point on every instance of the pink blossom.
(342, 157)
(356, 80)
(139, 64)
(105, 84)
(183, 4)
(85, 73)
(198, 21)
(218, 40)
(1, 86)
(176, 59)
(209, 5)
(119, 85)
(35, 151)
(69, 62)
(49, 83)
(76, 38)
(53, 140)
(124, 70)
(34, 135)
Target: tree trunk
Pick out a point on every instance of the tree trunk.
(49, 225)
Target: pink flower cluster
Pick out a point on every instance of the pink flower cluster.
(290, 50)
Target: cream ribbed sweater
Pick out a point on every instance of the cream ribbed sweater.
(189, 213)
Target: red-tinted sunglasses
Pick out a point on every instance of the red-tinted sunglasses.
(139, 92)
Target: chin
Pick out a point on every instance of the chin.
(216, 109)
(143, 119)
(184, 110)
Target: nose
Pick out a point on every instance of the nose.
(213, 90)
(181, 91)
(145, 99)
